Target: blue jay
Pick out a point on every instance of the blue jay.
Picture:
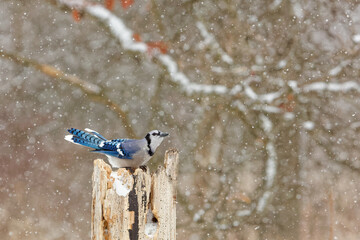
(120, 152)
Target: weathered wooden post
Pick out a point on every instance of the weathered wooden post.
(136, 205)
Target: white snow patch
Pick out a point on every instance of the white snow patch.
(262, 201)
(198, 215)
(217, 69)
(250, 93)
(180, 78)
(267, 108)
(236, 89)
(150, 229)
(239, 105)
(281, 64)
(275, 4)
(117, 28)
(289, 116)
(266, 123)
(226, 58)
(269, 97)
(293, 85)
(334, 87)
(298, 10)
(335, 71)
(309, 125)
(243, 213)
(150, 226)
(270, 164)
(356, 38)
(121, 185)
(210, 40)
(72, 3)
(91, 87)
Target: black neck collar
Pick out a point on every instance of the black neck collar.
(148, 139)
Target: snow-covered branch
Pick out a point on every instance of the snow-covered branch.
(181, 79)
(271, 163)
(209, 40)
(117, 28)
(332, 87)
(125, 36)
(325, 86)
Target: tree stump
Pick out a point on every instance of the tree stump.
(134, 204)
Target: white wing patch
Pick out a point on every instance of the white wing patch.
(69, 138)
(90, 130)
(101, 144)
(119, 150)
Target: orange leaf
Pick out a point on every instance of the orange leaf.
(290, 97)
(126, 3)
(158, 45)
(242, 197)
(137, 37)
(288, 107)
(109, 4)
(76, 15)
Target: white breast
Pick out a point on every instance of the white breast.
(139, 159)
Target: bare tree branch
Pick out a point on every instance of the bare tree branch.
(93, 91)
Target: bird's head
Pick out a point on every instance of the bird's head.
(154, 138)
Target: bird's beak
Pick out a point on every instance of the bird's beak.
(164, 134)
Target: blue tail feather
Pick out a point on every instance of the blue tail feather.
(84, 138)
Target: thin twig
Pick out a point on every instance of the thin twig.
(93, 91)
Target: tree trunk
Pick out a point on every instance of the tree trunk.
(134, 205)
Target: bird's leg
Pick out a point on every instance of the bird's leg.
(144, 168)
(130, 169)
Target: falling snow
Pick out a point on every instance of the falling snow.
(262, 98)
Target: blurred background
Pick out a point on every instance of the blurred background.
(260, 97)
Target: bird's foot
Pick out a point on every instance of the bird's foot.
(130, 169)
(144, 168)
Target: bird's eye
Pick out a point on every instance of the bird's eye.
(155, 133)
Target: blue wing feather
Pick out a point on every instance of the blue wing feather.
(120, 148)
(96, 134)
(111, 148)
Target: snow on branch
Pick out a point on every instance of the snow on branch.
(271, 163)
(125, 36)
(336, 70)
(117, 28)
(325, 86)
(267, 97)
(210, 40)
(181, 79)
(333, 87)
